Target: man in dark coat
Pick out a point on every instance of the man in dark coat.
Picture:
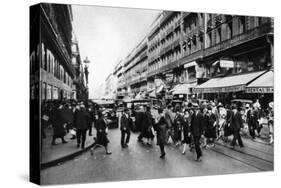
(147, 124)
(81, 122)
(58, 122)
(196, 129)
(125, 129)
(68, 116)
(91, 120)
(236, 123)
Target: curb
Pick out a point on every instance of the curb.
(64, 158)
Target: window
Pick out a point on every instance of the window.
(43, 91)
(242, 24)
(209, 39)
(259, 21)
(191, 73)
(43, 58)
(218, 35)
(49, 92)
(229, 30)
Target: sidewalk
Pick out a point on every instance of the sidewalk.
(53, 154)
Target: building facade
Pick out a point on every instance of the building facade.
(60, 68)
(184, 50)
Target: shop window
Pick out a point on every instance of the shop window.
(49, 92)
(43, 91)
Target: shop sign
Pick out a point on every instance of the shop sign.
(226, 64)
(220, 89)
(260, 90)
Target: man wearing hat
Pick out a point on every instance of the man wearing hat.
(125, 128)
(236, 123)
(81, 122)
(196, 129)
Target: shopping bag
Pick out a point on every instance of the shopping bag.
(45, 117)
(73, 132)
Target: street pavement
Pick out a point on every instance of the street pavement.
(139, 162)
(52, 152)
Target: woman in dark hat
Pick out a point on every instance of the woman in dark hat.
(101, 138)
(177, 126)
(58, 122)
(186, 139)
(161, 129)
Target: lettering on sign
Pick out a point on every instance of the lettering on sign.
(260, 90)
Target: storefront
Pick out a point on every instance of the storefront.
(225, 89)
(262, 88)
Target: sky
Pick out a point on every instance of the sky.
(106, 35)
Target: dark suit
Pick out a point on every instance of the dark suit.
(236, 123)
(81, 122)
(196, 129)
(125, 129)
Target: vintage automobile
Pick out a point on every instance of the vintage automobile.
(108, 108)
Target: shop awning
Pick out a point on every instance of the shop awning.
(182, 88)
(263, 84)
(227, 84)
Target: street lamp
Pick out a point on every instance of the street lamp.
(86, 71)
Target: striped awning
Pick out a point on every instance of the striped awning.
(227, 84)
(263, 84)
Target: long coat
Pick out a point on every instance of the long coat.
(58, 122)
(147, 123)
(177, 125)
(186, 129)
(125, 123)
(161, 129)
(81, 119)
(196, 127)
(67, 115)
(101, 132)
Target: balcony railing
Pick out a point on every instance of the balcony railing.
(239, 39)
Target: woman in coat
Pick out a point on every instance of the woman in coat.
(161, 129)
(177, 126)
(101, 138)
(58, 122)
(186, 138)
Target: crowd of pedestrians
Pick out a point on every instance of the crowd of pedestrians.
(199, 125)
(192, 125)
(76, 118)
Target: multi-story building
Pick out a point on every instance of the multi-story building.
(121, 90)
(110, 86)
(238, 49)
(183, 50)
(57, 54)
(135, 70)
(79, 86)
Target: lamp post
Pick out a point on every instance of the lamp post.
(86, 71)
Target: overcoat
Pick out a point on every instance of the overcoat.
(81, 119)
(58, 123)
